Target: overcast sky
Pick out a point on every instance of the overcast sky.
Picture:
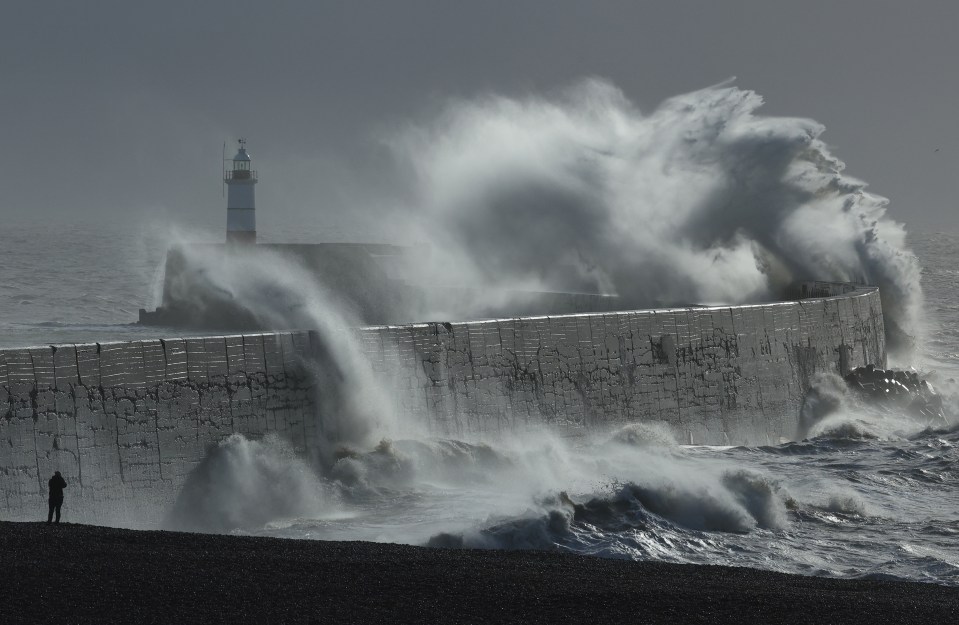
(114, 109)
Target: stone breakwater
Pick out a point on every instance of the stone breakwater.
(126, 423)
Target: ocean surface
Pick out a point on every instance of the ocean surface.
(873, 494)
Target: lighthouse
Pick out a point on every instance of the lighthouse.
(240, 182)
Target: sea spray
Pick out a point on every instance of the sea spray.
(407, 463)
(245, 484)
(700, 200)
(352, 407)
(831, 409)
(822, 506)
(636, 480)
(241, 483)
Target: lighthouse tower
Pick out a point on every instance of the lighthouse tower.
(240, 199)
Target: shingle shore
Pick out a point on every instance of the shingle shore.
(87, 574)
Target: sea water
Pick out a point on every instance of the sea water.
(873, 493)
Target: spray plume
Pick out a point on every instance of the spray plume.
(274, 291)
(701, 200)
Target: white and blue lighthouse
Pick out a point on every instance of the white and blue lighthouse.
(240, 181)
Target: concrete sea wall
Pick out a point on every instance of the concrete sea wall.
(127, 422)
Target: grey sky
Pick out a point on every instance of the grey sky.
(120, 108)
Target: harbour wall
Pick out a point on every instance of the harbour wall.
(126, 423)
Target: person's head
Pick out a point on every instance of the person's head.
(57, 473)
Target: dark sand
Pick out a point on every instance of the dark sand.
(86, 574)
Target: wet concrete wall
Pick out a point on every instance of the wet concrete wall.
(724, 375)
(126, 422)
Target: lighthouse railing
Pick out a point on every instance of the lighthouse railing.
(239, 174)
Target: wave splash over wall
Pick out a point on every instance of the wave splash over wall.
(280, 293)
(702, 200)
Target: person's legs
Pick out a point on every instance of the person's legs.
(59, 503)
(50, 513)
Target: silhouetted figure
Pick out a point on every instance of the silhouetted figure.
(57, 484)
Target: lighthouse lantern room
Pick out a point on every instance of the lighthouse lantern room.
(240, 181)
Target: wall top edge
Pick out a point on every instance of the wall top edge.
(858, 291)
(102, 344)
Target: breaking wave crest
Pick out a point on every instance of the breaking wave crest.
(611, 496)
(652, 434)
(830, 411)
(745, 501)
(246, 484)
(404, 463)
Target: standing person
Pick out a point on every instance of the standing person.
(57, 484)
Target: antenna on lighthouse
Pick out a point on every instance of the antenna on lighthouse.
(223, 177)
